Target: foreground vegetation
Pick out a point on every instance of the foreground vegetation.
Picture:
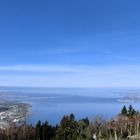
(124, 126)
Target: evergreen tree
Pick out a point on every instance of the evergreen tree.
(124, 111)
(131, 111)
(39, 130)
(68, 129)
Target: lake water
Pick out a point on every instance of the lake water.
(52, 103)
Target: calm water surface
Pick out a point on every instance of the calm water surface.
(52, 103)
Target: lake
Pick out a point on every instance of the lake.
(52, 103)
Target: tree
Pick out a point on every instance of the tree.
(68, 129)
(83, 131)
(124, 111)
(48, 131)
(39, 130)
(98, 125)
(131, 111)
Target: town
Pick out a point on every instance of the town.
(13, 113)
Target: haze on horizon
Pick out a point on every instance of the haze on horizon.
(75, 43)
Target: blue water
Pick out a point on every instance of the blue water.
(52, 103)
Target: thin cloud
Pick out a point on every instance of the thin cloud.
(102, 69)
(41, 68)
(64, 50)
(71, 75)
(54, 51)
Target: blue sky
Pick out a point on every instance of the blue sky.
(70, 43)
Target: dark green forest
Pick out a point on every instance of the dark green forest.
(126, 125)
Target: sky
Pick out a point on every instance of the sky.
(70, 43)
